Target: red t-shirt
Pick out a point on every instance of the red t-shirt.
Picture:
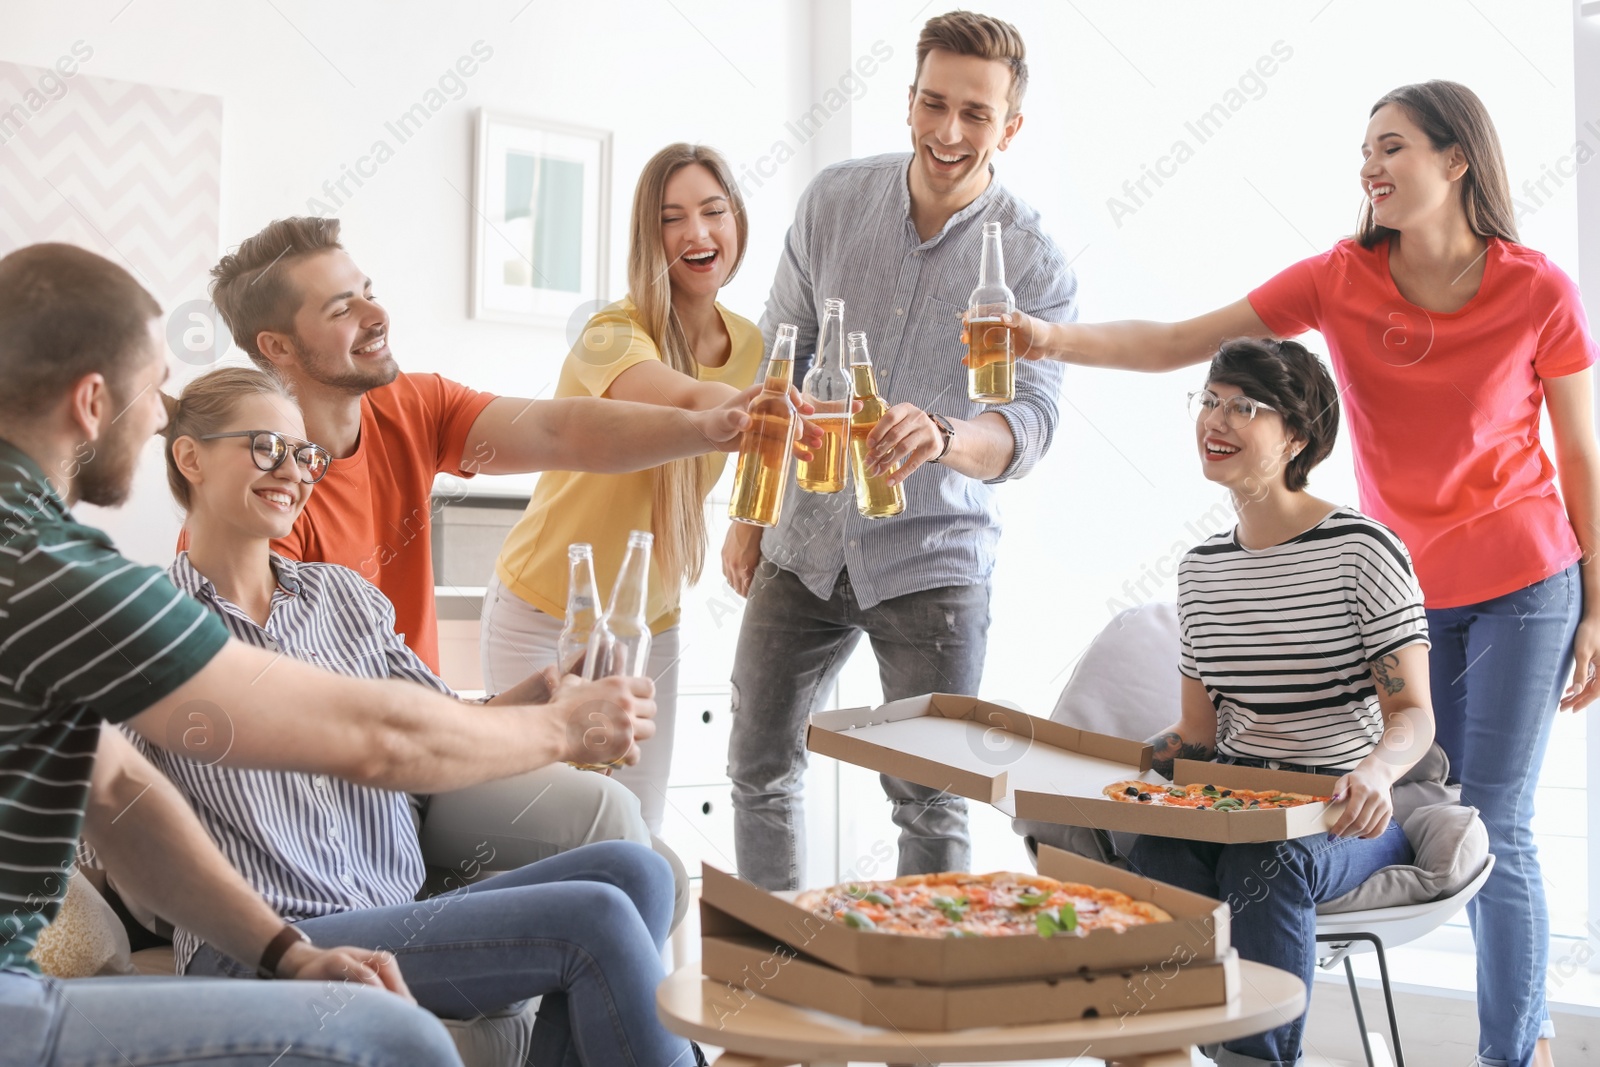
(373, 512)
(1443, 409)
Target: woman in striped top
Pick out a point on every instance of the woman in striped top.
(1304, 647)
(583, 929)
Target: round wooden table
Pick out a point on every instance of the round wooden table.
(769, 1033)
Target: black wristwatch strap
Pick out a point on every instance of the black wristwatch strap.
(272, 955)
(947, 431)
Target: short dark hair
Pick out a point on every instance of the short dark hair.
(1287, 377)
(66, 312)
(250, 286)
(967, 33)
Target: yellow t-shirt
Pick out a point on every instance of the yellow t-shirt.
(569, 506)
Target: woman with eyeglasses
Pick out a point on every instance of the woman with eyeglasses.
(1304, 647)
(583, 930)
(1451, 339)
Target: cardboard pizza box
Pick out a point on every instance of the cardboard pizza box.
(1199, 930)
(753, 965)
(1032, 768)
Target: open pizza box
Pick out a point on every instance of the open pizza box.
(1198, 932)
(1032, 768)
(752, 964)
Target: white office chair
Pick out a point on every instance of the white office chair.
(1126, 685)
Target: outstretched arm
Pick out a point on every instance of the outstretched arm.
(514, 436)
(1193, 736)
(153, 846)
(1136, 345)
(250, 708)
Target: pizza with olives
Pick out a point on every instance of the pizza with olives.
(979, 905)
(1207, 797)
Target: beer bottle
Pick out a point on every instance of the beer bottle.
(764, 451)
(619, 644)
(583, 603)
(991, 366)
(827, 387)
(874, 499)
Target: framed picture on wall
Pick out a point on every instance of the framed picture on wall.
(541, 219)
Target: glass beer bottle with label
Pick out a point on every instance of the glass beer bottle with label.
(764, 451)
(991, 365)
(828, 389)
(874, 498)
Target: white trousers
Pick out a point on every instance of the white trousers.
(519, 639)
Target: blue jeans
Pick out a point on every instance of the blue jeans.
(792, 646)
(583, 930)
(1498, 669)
(135, 1022)
(1273, 889)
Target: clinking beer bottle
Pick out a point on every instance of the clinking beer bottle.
(764, 451)
(991, 366)
(583, 604)
(619, 644)
(874, 498)
(827, 387)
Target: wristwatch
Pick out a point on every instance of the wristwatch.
(273, 954)
(947, 431)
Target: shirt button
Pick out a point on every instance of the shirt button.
(899, 311)
(852, 544)
(321, 782)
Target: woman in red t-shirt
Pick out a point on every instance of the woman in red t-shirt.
(1448, 337)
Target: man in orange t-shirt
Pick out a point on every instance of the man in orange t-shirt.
(299, 306)
(296, 302)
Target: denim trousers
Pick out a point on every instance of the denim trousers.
(583, 930)
(1273, 889)
(1498, 669)
(792, 645)
(143, 1022)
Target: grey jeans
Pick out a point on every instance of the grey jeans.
(792, 646)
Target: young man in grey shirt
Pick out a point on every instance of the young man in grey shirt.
(898, 237)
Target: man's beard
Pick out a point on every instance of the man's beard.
(355, 378)
(105, 474)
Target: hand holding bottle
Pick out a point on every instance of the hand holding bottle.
(724, 425)
(1031, 338)
(604, 721)
(904, 439)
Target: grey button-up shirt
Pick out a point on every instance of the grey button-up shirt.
(853, 238)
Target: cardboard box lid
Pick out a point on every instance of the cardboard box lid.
(1033, 768)
(1199, 930)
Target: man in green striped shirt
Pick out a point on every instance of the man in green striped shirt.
(89, 638)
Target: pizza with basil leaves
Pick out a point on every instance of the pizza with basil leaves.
(1207, 797)
(979, 905)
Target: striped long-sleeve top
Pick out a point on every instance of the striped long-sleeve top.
(309, 844)
(1284, 638)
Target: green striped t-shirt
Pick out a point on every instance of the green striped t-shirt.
(85, 636)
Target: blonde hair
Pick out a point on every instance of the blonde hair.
(205, 406)
(678, 502)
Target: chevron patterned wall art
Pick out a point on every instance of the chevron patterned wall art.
(131, 171)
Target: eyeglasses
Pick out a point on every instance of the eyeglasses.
(1236, 410)
(269, 449)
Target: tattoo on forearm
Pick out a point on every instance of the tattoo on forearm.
(1383, 669)
(1171, 747)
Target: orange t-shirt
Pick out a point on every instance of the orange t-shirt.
(373, 511)
(1443, 409)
